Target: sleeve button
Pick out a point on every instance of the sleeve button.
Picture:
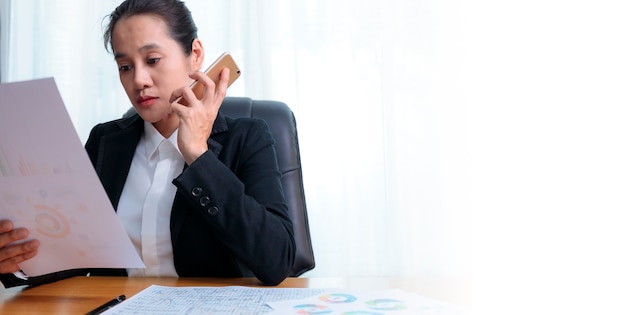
(204, 201)
(213, 210)
(196, 191)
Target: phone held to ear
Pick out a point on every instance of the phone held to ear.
(213, 72)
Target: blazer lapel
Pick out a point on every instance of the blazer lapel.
(219, 126)
(115, 155)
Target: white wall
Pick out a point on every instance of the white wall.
(545, 86)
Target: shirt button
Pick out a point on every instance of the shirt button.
(204, 201)
(213, 210)
(196, 191)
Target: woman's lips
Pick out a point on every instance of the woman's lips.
(146, 101)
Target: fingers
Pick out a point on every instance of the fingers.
(184, 96)
(204, 92)
(8, 234)
(12, 254)
(6, 225)
(205, 89)
(17, 253)
(188, 95)
(176, 96)
(223, 84)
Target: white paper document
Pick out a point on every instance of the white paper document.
(377, 302)
(163, 300)
(48, 185)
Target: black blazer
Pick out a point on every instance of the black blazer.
(229, 217)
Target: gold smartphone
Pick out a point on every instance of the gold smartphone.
(213, 72)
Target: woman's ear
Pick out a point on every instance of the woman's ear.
(197, 54)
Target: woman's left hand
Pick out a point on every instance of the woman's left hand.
(197, 117)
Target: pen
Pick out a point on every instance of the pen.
(107, 305)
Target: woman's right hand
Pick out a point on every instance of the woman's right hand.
(11, 254)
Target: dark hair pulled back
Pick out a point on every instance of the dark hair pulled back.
(175, 13)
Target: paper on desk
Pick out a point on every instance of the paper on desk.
(378, 302)
(48, 185)
(164, 300)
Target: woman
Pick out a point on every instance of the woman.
(198, 193)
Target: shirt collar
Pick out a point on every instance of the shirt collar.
(153, 138)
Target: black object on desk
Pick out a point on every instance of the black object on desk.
(107, 305)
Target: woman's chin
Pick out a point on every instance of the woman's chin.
(155, 116)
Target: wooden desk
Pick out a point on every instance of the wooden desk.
(81, 294)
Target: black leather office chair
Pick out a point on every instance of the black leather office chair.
(282, 123)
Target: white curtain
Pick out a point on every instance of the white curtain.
(411, 115)
(377, 95)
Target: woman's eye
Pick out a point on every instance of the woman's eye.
(152, 61)
(124, 68)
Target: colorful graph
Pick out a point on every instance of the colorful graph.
(338, 298)
(51, 222)
(312, 309)
(27, 168)
(386, 305)
(23, 166)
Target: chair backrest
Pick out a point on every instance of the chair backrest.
(282, 124)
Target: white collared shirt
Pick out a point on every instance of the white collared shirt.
(146, 201)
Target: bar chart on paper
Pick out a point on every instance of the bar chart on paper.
(28, 167)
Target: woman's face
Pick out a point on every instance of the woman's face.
(151, 65)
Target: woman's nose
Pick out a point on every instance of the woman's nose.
(142, 78)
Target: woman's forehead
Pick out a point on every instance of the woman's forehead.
(140, 32)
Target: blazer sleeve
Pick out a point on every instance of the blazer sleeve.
(10, 280)
(240, 196)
